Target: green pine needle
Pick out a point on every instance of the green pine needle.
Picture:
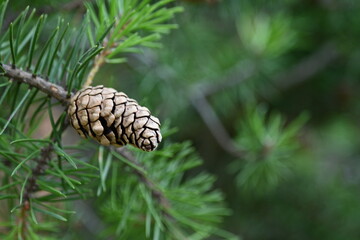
(44, 50)
(15, 110)
(49, 213)
(29, 157)
(12, 47)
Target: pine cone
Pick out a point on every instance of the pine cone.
(111, 118)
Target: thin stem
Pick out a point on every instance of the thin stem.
(99, 61)
(31, 186)
(41, 164)
(40, 83)
(23, 221)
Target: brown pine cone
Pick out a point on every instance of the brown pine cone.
(111, 118)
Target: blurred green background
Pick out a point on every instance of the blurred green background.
(234, 79)
(289, 57)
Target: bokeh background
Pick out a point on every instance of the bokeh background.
(268, 93)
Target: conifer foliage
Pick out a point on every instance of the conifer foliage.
(140, 195)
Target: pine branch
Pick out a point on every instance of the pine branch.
(40, 83)
(116, 37)
(125, 26)
(60, 94)
(101, 58)
(155, 192)
(299, 73)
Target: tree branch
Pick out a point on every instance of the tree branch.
(98, 62)
(39, 169)
(300, 72)
(155, 192)
(215, 125)
(40, 83)
(240, 73)
(31, 186)
(101, 58)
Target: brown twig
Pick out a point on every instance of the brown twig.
(31, 186)
(39, 169)
(22, 220)
(40, 83)
(98, 62)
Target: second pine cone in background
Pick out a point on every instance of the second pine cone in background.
(111, 118)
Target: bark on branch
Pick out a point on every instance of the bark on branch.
(40, 83)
